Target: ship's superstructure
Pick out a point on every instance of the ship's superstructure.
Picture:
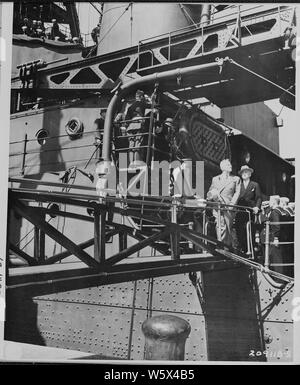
(89, 260)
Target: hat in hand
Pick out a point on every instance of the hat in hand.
(245, 168)
(213, 195)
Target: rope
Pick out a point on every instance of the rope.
(100, 41)
(51, 137)
(131, 24)
(261, 77)
(255, 265)
(92, 4)
(186, 14)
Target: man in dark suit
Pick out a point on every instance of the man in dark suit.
(250, 196)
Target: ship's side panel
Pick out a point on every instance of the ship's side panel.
(58, 152)
(276, 314)
(106, 320)
(243, 317)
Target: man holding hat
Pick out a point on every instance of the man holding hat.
(250, 196)
(225, 188)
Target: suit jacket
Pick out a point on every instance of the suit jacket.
(136, 109)
(229, 189)
(251, 196)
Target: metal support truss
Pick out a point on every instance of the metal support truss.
(165, 235)
(241, 31)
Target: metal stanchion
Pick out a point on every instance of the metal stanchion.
(267, 246)
(205, 226)
(219, 233)
(248, 235)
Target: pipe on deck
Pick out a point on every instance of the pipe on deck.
(126, 88)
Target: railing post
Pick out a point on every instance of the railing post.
(36, 243)
(138, 58)
(165, 337)
(24, 155)
(99, 232)
(39, 242)
(18, 101)
(279, 20)
(122, 233)
(248, 235)
(239, 26)
(169, 48)
(39, 245)
(204, 225)
(219, 234)
(175, 236)
(191, 227)
(42, 244)
(267, 245)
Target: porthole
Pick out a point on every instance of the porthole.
(41, 137)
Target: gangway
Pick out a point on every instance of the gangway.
(173, 256)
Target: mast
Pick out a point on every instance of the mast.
(73, 19)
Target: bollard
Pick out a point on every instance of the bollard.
(165, 337)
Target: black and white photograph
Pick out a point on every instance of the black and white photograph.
(149, 183)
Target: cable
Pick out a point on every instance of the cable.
(114, 24)
(186, 14)
(112, 9)
(131, 24)
(280, 111)
(261, 77)
(92, 4)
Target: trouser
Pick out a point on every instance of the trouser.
(241, 220)
(224, 227)
(135, 142)
(276, 258)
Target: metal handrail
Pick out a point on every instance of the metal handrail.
(267, 263)
(52, 137)
(281, 223)
(153, 201)
(201, 25)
